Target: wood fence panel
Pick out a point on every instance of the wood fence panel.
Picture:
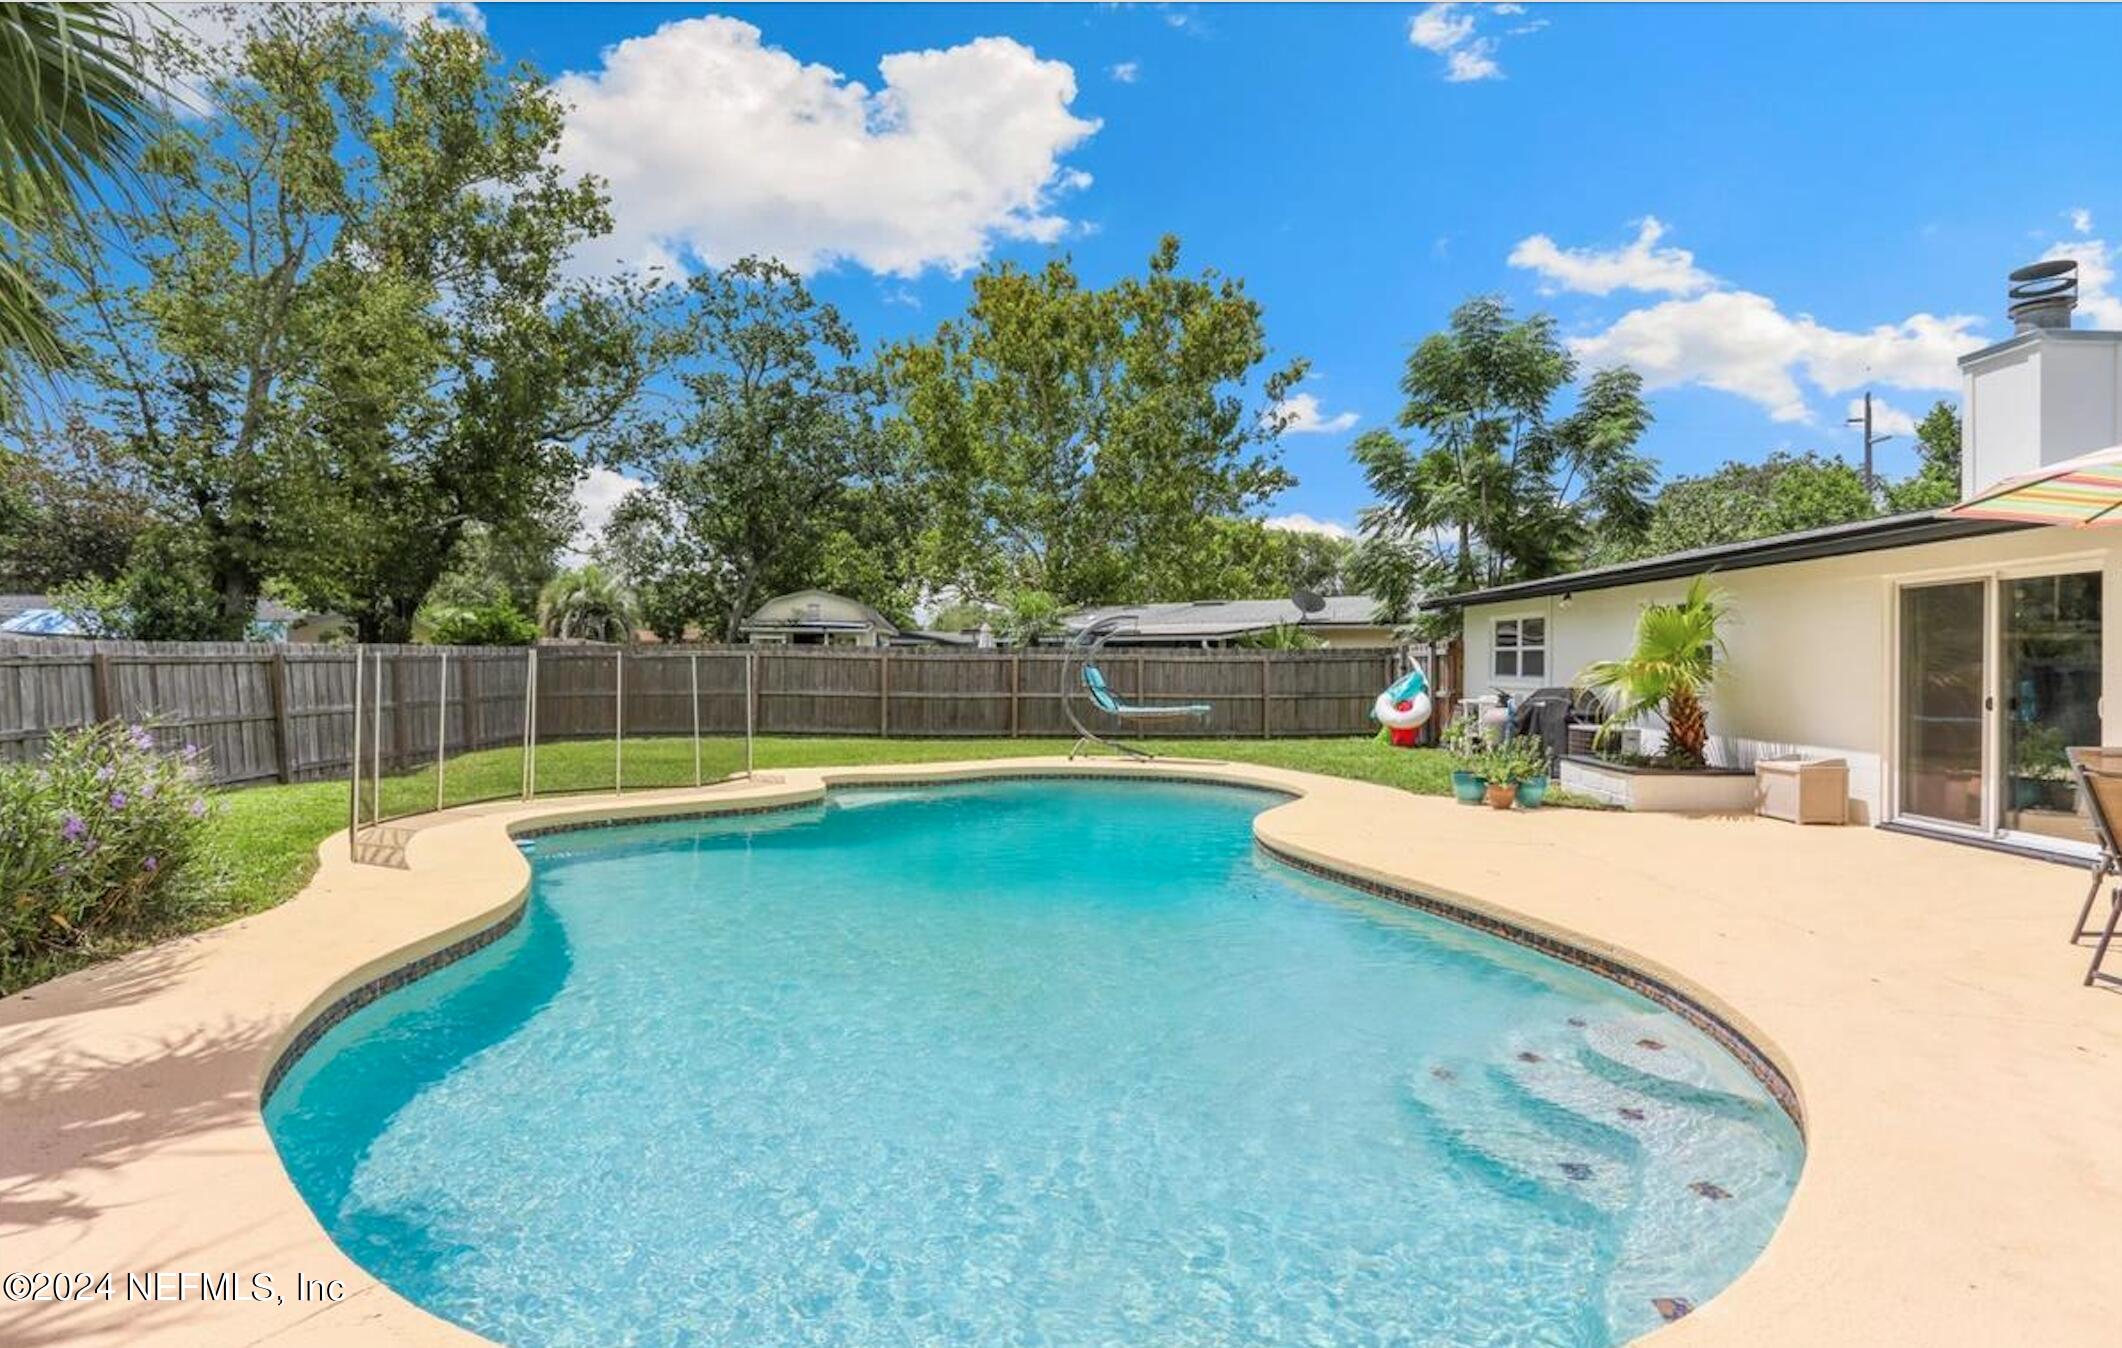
(262, 712)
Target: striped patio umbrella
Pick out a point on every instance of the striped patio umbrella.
(2083, 491)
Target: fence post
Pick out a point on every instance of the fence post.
(694, 659)
(375, 749)
(353, 776)
(751, 713)
(1267, 698)
(884, 693)
(618, 721)
(1016, 666)
(283, 715)
(530, 724)
(100, 671)
(441, 722)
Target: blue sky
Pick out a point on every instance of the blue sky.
(1765, 208)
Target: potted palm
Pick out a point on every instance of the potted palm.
(1463, 742)
(1669, 672)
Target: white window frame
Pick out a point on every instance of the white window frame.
(1518, 647)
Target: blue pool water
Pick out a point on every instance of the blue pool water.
(1020, 1063)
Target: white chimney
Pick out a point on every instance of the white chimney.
(2046, 393)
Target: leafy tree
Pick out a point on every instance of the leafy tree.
(75, 101)
(1028, 615)
(775, 474)
(1085, 443)
(1936, 481)
(1739, 501)
(587, 604)
(163, 594)
(67, 511)
(333, 321)
(1498, 489)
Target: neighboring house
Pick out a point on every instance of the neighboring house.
(817, 618)
(1347, 621)
(33, 615)
(1949, 661)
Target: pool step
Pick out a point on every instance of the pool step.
(1483, 1122)
(1640, 1131)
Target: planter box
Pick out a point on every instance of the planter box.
(1672, 790)
(1803, 791)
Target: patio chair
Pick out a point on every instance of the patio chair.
(1086, 648)
(2100, 784)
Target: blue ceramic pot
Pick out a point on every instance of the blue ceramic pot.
(1467, 786)
(1532, 791)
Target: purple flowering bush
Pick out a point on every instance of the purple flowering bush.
(102, 840)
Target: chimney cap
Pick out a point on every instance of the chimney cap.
(2044, 293)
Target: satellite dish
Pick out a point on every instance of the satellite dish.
(1306, 601)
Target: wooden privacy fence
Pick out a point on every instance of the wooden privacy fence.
(286, 713)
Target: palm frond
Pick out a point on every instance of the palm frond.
(76, 97)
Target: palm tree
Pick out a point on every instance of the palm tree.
(1669, 672)
(75, 97)
(587, 604)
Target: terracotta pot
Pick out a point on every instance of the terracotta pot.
(1502, 795)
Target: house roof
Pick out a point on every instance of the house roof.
(1804, 545)
(12, 604)
(1209, 618)
(871, 619)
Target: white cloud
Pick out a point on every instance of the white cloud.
(1474, 61)
(1125, 72)
(1300, 523)
(716, 145)
(598, 493)
(2096, 277)
(1306, 417)
(1743, 343)
(1640, 265)
(1886, 419)
(1440, 28)
(1452, 31)
(2081, 219)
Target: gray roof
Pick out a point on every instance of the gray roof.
(1803, 545)
(11, 604)
(1207, 618)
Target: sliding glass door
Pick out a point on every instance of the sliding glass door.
(2049, 653)
(1998, 677)
(1941, 695)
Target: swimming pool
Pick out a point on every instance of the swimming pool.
(1020, 1062)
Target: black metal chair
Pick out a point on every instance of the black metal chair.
(2099, 774)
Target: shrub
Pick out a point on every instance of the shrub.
(104, 841)
(498, 623)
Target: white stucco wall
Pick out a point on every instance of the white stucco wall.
(1811, 645)
(2036, 399)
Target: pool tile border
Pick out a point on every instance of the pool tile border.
(1728, 1037)
(325, 1021)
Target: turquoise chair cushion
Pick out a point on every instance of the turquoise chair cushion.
(1099, 693)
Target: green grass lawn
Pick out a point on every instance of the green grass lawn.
(265, 838)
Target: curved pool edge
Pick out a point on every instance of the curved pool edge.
(266, 980)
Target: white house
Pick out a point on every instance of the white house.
(1948, 661)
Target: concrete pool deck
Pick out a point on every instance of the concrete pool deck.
(1962, 1094)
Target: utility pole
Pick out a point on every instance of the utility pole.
(1870, 441)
